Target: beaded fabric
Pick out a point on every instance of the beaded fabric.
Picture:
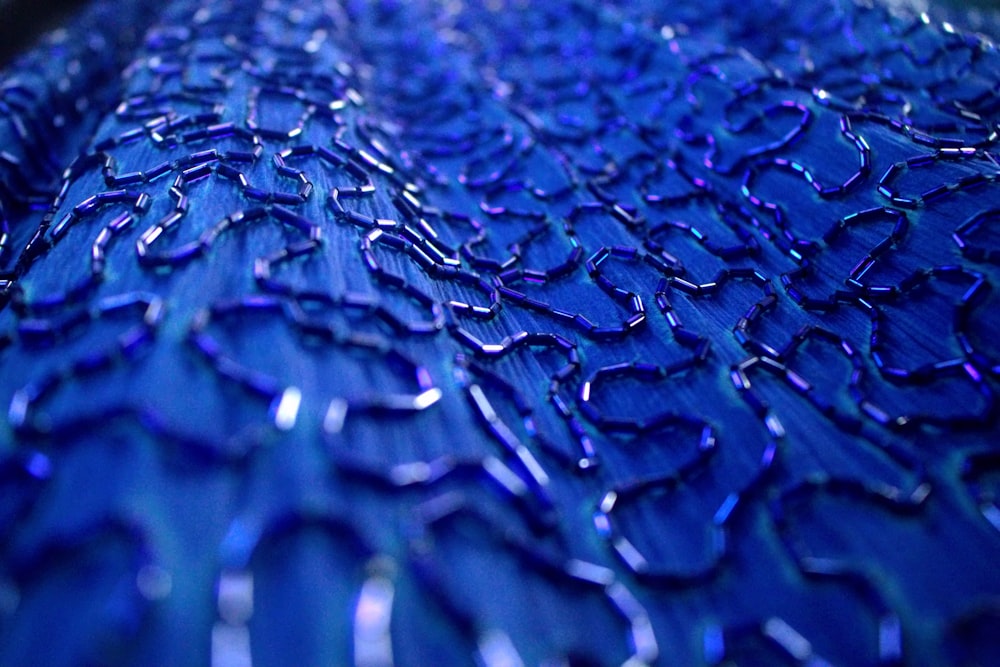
(506, 333)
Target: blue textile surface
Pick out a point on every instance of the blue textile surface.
(507, 333)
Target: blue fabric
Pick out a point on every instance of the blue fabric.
(425, 333)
